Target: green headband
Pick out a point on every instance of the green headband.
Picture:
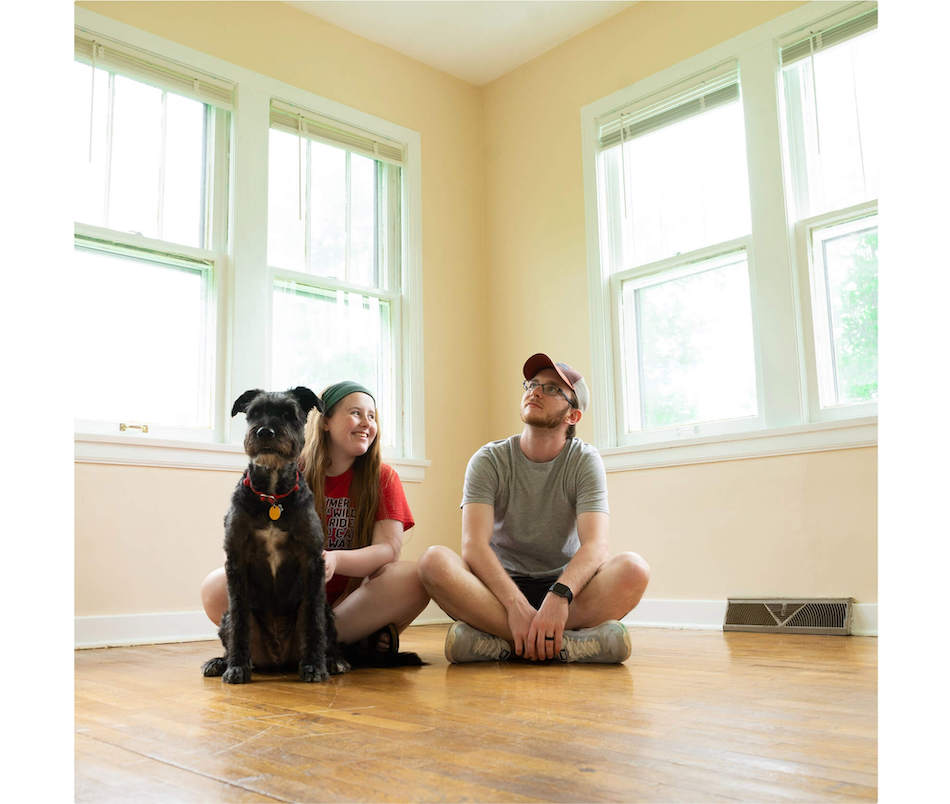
(335, 393)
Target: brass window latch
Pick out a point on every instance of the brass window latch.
(123, 427)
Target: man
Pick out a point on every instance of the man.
(535, 577)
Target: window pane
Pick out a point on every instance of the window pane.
(325, 336)
(845, 311)
(136, 157)
(147, 172)
(686, 187)
(134, 364)
(831, 119)
(363, 221)
(285, 223)
(328, 210)
(90, 189)
(688, 349)
(182, 207)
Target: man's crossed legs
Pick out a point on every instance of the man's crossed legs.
(592, 632)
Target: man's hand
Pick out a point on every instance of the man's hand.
(329, 561)
(520, 616)
(549, 621)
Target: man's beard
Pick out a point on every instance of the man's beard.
(538, 418)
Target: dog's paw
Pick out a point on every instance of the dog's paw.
(237, 675)
(312, 673)
(214, 667)
(338, 665)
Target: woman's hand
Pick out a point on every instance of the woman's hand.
(329, 561)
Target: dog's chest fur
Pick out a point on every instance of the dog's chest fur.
(273, 540)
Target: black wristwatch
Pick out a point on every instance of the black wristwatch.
(562, 590)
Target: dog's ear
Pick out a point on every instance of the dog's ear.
(245, 399)
(307, 399)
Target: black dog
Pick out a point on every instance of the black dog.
(277, 616)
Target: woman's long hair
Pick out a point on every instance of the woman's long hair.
(364, 488)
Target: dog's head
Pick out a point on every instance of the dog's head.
(275, 423)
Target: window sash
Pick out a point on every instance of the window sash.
(628, 364)
(158, 253)
(387, 252)
(814, 313)
(103, 52)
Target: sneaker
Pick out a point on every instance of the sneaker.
(608, 643)
(466, 644)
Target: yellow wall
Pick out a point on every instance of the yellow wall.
(504, 263)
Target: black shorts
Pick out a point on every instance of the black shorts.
(534, 589)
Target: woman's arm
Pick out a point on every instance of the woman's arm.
(364, 561)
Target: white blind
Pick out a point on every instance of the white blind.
(832, 32)
(693, 96)
(149, 68)
(302, 122)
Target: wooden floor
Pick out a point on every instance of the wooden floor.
(691, 716)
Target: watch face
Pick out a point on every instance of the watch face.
(562, 590)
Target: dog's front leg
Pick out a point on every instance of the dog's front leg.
(311, 625)
(239, 632)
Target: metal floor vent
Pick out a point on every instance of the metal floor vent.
(790, 615)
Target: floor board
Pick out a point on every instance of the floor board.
(691, 716)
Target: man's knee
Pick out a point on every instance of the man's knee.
(436, 564)
(635, 570)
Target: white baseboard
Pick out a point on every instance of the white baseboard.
(693, 614)
(143, 629)
(192, 626)
(864, 619)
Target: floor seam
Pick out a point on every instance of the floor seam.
(186, 769)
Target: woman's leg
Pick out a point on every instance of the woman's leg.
(393, 595)
(214, 595)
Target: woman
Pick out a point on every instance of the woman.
(363, 509)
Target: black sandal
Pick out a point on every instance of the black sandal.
(369, 652)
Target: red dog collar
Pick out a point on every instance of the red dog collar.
(275, 509)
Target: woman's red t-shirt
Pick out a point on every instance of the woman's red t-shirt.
(341, 514)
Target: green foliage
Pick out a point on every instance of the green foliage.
(856, 335)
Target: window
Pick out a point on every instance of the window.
(335, 250)
(234, 232)
(675, 223)
(732, 246)
(150, 209)
(830, 135)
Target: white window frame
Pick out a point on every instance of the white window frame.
(786, 390)
(244, 289)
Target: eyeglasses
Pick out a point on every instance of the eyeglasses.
(548, 389)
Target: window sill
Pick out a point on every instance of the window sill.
(144, 451)
(759, 444)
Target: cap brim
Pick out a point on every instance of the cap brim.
(540, 362)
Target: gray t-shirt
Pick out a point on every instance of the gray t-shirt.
(536, 504)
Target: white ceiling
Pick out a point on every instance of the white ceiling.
(473, 40)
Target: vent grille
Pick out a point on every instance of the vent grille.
(789, 615)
